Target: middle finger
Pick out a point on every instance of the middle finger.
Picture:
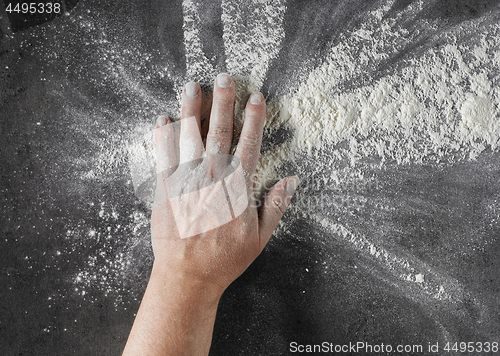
(220, 130)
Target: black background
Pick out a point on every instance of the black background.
(307, 286)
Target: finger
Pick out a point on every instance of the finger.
(248, 149)
(191, 102)
(275, 204)
(166, 159)
(220, 131)
(190, 144)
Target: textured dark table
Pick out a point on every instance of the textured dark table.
(74, 249)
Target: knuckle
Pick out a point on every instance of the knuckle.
(251, 140)
(279, 204)
(220, 131)
(225, 99)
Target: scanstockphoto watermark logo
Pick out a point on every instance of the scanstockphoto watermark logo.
(203, 194)
(469, 347)
(194, 190)
(359, 347)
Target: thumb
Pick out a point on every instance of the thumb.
(275, 204)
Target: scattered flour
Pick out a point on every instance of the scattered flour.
(196, 61)
(252, 41)
(441, 106)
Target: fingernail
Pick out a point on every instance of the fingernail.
(191, 89)
(291, 185)
(256, 98)
(223, 80)
(161, 121)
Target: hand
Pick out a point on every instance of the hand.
(196, 233)
(204, 231)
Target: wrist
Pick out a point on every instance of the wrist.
(176, 316)
(184, 286)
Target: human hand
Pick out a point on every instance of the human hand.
(204, 231)
(202, 225)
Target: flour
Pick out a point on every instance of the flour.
(197, 64)
(423, 105)
(253, 33)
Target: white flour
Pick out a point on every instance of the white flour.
(251, 42)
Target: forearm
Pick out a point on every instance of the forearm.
(176, 317)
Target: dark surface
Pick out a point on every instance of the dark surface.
(74, 249)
